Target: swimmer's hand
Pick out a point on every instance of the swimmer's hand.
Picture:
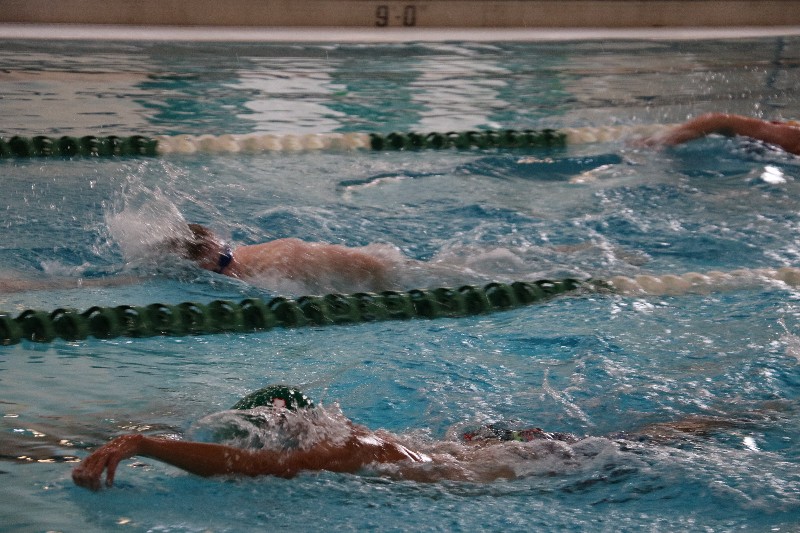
(89, 472)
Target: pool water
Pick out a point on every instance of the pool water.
(597, 364)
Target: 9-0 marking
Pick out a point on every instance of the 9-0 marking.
(386, 16)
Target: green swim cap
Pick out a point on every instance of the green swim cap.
(276, 396)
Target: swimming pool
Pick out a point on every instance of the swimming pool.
(590, 363)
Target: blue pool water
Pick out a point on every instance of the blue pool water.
(592, 364)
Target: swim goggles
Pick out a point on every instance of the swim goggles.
(225, 259)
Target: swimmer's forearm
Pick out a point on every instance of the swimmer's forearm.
(783, 135)
(195, 457)
(711, 123)
(207, 459)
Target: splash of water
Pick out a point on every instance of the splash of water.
(144, 223)
(266, 428)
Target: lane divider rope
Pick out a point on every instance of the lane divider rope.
(255, 314)
(162, 145)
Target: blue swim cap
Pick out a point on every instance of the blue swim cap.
(276, 396)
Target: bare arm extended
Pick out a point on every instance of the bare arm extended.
(206, 459)
(786, 136)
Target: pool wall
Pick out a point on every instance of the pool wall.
(411, 13)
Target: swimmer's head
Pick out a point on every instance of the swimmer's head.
(276, 396)
(204, 248)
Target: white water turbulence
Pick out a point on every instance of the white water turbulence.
(266, 428)
(284, 431)
(144, 223)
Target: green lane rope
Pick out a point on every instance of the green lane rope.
(469, 139)
(89, 146)
(139, 145)
(254, 314)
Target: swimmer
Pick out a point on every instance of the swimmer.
(360, 448)
(294, 259)
(353, 450)
(785, 135)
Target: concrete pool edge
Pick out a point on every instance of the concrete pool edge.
(67, 32)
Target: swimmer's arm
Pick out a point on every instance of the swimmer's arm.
(783, 135)
(203, 459)
(206, 459)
